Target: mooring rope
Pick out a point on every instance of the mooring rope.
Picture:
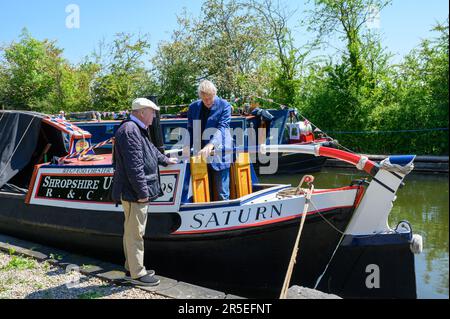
(282, 106)
(336, 229)
(339, 243)
(287, 280)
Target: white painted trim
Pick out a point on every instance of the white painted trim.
(371, 217)
(225, 218)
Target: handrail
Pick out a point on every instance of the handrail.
(359, 161)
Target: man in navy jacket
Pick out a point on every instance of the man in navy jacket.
(209, 128)
(136, 183)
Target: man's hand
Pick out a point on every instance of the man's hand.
(206, 151)
(172, 161)
(143, 200)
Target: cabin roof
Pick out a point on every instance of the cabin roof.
(26, 138)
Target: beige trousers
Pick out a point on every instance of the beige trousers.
(133, 241)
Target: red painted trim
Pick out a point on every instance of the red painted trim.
(70, 201)
(76, 163)
(257, 224)
(346, 157)
(32, 183)
(311, 142)
(42, 175)
(74, 201)
(171, 172)
(346, 188)
(359, 195)
(78, 175)
(63, 129)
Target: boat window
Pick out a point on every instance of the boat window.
(286, 135)
(278, 123)
(172, 134)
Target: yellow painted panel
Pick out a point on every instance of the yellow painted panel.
(200, 180)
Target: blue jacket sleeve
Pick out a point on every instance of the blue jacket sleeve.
(190, 124)
(132, 153)
(223, 126)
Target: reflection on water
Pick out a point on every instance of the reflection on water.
(424, 203)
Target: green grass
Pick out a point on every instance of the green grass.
(46, 265)
(56, 257)
(39, 286)
(19, 263)
(3, 288)
(86, 266)
(90, 295)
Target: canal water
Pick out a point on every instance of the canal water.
(423, 201)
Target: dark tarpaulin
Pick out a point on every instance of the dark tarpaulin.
(14, 156)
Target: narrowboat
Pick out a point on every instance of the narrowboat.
(61, 196)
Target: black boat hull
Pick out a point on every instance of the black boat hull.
(248, 262)
(382, 266)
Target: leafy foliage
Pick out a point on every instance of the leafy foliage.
(247, 48)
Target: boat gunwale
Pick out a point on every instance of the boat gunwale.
(235, 202)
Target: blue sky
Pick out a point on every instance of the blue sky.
(403, 24)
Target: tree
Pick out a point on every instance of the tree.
(423, 96)
(347, 18)
(123, 76)
(29, 73)
(178, 66)
(232, 42)
(349, 89)
(286, 61)
(75, 85)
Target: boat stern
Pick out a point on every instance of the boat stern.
(374, 260)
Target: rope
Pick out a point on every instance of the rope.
(17, 146)
(293, 260)
(174, 105)
(329, 262)
(405, 170)
(336, 229)
(397, 131)
(282, 106)
(326, 220)
(85, 151)
(338, 245)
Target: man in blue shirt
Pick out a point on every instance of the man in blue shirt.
(209, 128)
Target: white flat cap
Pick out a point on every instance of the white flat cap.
(141, 103)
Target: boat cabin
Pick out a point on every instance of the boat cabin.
(50, 173)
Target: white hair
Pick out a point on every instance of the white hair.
(207, 87)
